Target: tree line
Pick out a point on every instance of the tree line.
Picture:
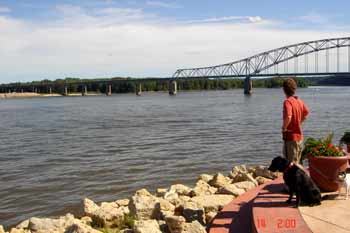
(128, 85)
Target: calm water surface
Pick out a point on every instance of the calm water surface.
(56, 151)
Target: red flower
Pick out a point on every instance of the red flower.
(336, 149)
(315, 150)
(329, 145)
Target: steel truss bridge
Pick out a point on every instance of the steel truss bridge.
(306, 58)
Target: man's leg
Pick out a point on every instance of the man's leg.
(293, 149)
(299, 146)
(288, 150)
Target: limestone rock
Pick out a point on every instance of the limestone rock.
(165, 214)
(106, 214)
(179, 204)
(143, 192)
(264, 172)
(65, 224)
(125, 210)
(166, 208)
(262, 180)
(176, 224)
(237, 177)
(86, 220)
(161, 192)
(181, 189)
(165, 205)
(246, 185)
(210, 216)
(231, 189)
(193, 211)
(194, 227)
(250, 178)
(44, 225)
(144, 206)
(206, 178)
(127, 231)
(15, 230)
(171, 196)
(90, 207)
(219, 180)
(180, 201)
(146, 226)
(81, 228)
(202, 188)
(240, 169)
(22, 225)
(213, 203)
(123, 202)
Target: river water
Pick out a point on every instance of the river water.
(56, 151)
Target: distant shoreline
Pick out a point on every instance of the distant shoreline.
(15, 95)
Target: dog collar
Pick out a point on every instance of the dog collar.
(289, 167)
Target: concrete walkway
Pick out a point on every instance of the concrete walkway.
(333, 215)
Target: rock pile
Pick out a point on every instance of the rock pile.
(178, 209)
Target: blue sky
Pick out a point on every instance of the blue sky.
(191, 9)
(105, 38)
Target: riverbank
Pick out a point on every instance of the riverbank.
(177, 209)
(14, 95)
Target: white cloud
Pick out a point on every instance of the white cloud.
(4, 9)
(237, 19)
(107, 43)
(163, 4)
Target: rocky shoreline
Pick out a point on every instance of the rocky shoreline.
(177, 209)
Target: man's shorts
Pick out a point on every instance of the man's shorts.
(292, 150)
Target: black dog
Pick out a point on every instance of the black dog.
(297, 181)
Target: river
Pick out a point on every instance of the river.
(56, 151)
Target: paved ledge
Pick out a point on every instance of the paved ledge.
(332, 216)
(236, 216)
(262, 209)
(272, 214)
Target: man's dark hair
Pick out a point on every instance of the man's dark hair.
(289, 86)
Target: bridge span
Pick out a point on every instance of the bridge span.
(308, 58)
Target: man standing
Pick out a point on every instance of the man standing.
(294, 113)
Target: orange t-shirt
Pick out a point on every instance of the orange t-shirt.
(294, 107)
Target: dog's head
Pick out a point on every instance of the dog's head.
(278, 164)
(341, 175)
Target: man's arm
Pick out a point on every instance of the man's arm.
(286, 122)
(287, 115)
(305, 113)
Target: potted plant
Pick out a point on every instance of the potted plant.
(325, 162)
(345, 139)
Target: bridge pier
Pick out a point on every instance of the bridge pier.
(84, 91)
(172, 87)
(248, 86)
(65, 91)
(109, 90)
(50, 90)
(138, 89)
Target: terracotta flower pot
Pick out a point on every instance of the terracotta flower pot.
(324, 171)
